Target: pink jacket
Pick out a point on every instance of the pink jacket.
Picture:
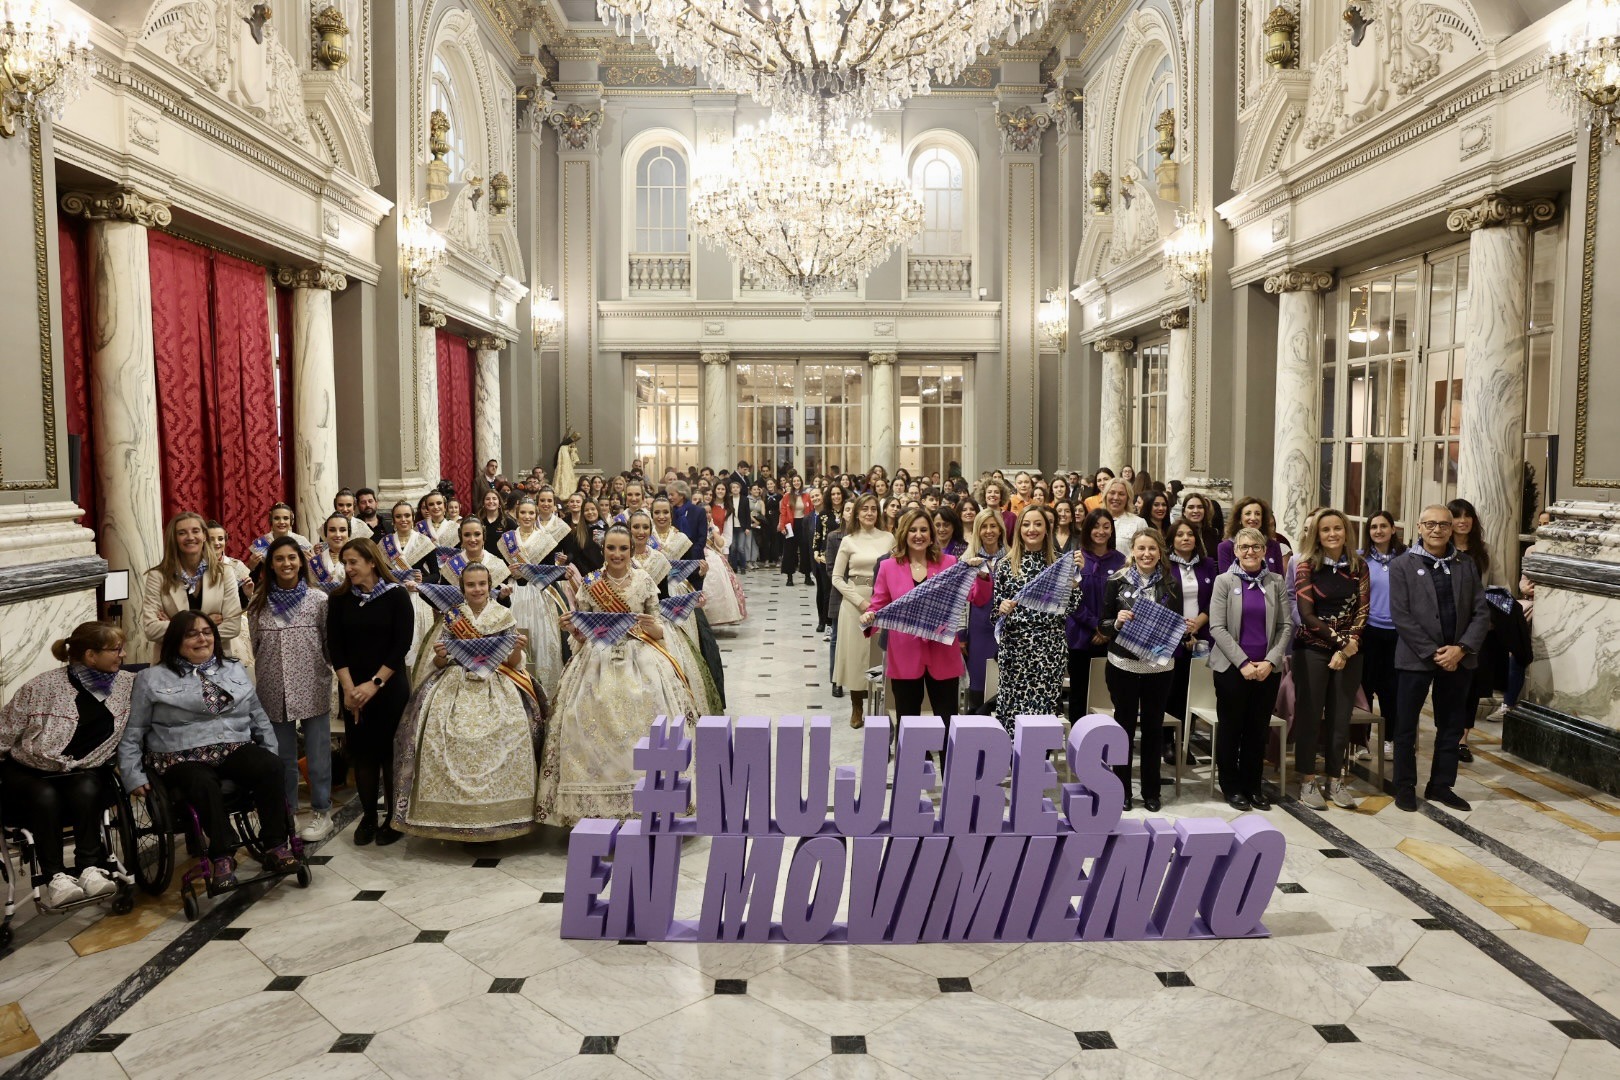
(909, 656)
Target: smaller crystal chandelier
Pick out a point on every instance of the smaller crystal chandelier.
(1054, 319)
(421, 248)
(547, 315)
(1585, 67)
(1186, 253)
(44, 62)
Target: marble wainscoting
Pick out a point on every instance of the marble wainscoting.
(1569, 717)
(49, 574)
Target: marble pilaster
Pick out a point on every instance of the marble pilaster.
(315, 442)
(123, 382)
(1178, 397)
(881, 448)
(578, 125)
(1114, 413)
(716, 430)
(487, 400)
(1297, 422)
(428, 324)
(1020, 123)
(1490, 465)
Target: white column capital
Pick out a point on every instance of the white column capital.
(121, 204)
(1179, 319)
(488, 343)
(1299, 281)
(716, 357)
(311, 277)
(879, 357)
(426, 316)
(1114, 345)
(1495, 211)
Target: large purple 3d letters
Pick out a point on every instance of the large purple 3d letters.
(998, 861)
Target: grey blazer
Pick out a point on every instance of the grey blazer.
(1416, 612)
(1226, 621)
(167, 713)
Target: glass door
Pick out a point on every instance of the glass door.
(804, 415)
(767, 396)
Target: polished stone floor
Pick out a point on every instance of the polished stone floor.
(1427, 945)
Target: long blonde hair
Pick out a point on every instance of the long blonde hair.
(1016, 552)
(170, 566)
(1310, 545)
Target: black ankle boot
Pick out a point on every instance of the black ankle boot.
(366, 831)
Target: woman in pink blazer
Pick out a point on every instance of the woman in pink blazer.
(915, 665)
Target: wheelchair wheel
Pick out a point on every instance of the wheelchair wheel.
(124, 902)
(303, 876)
(6, 936)
(188, 900)
(147, 837)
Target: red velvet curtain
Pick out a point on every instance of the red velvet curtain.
(455, 362)
(284, 372)
(216, 386)
(73, 267)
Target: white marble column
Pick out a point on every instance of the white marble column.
(123, 383)
(881, 447)
(1114, 411)
(1297, 421)
(716, 430)
(1490, 462)
(428, 324)
(1178, 397)
(1020, 122)
(578, 126)
(487, 401)
(315, 442)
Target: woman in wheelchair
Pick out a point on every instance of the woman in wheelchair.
(196, 721)
(57, 739)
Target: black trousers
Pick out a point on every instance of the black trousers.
(770, 544)
(1243, 707)
(942, 695)
(823, 591)
(44, 801)
(1323, 699)
(1450, 693)
(252, 768)
(1141, 698)
(1378, 671)
(1080, 679)
(796, 550)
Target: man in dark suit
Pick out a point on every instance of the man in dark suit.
(692, 521)
(1438, 604)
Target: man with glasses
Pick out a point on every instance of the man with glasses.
(1437, 602)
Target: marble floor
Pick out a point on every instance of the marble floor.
(1428, 945)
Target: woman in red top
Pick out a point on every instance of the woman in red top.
(798, 513)
(915, 665)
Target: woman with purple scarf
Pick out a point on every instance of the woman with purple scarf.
(1095, 538)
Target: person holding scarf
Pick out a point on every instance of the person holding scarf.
(685, 643)
(188, 580)
(1194, 567)
(1032, 646)
(1095, 541)
(325, 566)
(915, 665)
(1250, 624)
(675, 546)
(534, 541)
(466, 755)
(986, 548)
(369, 623)
(609, 694)
(1139, 688)
(287, 621)
(1331, 593)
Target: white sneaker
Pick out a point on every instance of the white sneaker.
(1498, 714)
(1339, 792)
(1389, 750)
(318, 829)
(1364, 752)
(63, 890)
(1311, 795)
(95, 882)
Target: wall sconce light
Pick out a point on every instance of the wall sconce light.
(332, 38)
(547, 316)
(1584, 69)
(500, 194)
(1054, 319)
(1282, 31)
(1187, 253)
(44, 62)
(421, 247)
(1099, 192)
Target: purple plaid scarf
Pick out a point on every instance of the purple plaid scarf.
(283, 601)
(936, 610)
(540, 574)
(681, 569)
(376, 590)
(480, 655)
(98, 683)
(1051, 589)
(679, 608)
(193, 580)
(444, 598)
(604, 628)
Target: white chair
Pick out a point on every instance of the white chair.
(1201, 710)
(1379, 734)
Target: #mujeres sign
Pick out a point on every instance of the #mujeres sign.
(992, 863)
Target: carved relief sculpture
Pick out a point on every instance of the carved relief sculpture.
(1021, 128)
(577, 126)
(233, 46)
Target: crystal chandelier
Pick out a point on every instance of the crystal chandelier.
(863, 55)
(1585, 67)
(807, 207)
(44, 62)
(421, 247)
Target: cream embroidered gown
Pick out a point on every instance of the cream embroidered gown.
(465, 755)
(538, 610)
(682, 637)
(606, 702)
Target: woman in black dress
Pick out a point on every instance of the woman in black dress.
(369, 627)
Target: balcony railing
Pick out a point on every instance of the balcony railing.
(939, 273)
(750, 282)
(660, 273)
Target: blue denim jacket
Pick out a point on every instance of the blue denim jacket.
(167, 713)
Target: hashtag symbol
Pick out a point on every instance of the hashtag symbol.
(663, 792)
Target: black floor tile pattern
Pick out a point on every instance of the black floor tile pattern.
(731, 986)
(955, 986)
(1389, 974)
(351, 1044)
(1174, 978)
(317, 860)
(285, 982)
(631, 941)
(1575, 1029)
(232, 933)
(1335, 1033)
(1433, 924)
(506, 986)
(431, 937)
(1095, 1040)
(1335, 853)
(486, 864)
(600, 1044)
(551, 898)
(104, 1043)
(849, 1044)
(370, 894)
(1290, 887)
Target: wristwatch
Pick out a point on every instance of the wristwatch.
(377, 681)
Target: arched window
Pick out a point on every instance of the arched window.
(936, 175)
(661, 201)
(1161, 95)
(444, 100)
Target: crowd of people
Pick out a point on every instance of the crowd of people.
(491, 671)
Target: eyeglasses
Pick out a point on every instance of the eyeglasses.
(1251, 547)
(1434, 525)
(198, 634)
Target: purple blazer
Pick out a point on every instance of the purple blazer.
(1205, 573)
(981, 632)
(1079, 627)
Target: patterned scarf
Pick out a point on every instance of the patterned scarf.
(283, 601)
(681, 569)
(216, 699)
(605, 628)
(1440, 564)
(1499, 598)
(1050, 590)
(193, 580)
(442, 598)
(99, 683)
(936, 610)
(1255, 580)
(324, 577)
(1341, 564)
(483, 653)
(679, 608)
(610, 601)
(1188, 561)
(396, 559)
(1374, 555)
(366, 597)
(540, 574)
(1134, 576)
